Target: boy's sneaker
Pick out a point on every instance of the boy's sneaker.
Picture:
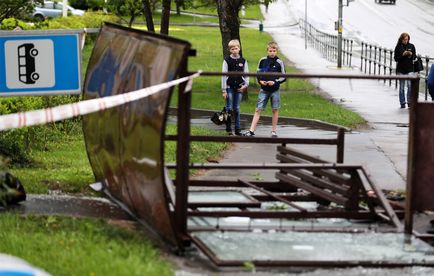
(230, 133)
(249, 133)
(238, 132)
(273, 134)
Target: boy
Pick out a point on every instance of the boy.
(234, 86)
(269, 88)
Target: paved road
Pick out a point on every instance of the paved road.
(380, 24)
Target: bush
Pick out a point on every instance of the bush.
(88, 20)
(16, 144)
(87, 4)
(11, 23)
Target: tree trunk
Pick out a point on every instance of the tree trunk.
(178, 6)
(165, 16)
(133, 16)
(229, 22)
(148, 15)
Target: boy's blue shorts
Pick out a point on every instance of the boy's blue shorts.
(263, 99)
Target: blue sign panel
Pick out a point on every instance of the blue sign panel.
(39, 64)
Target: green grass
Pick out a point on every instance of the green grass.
(68, 246)
(298, 97)
(64, 166)
(200, 151)
(176, 19)
(252, 11)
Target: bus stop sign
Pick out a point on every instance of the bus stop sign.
(40, 63)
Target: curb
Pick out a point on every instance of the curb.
(265, 118)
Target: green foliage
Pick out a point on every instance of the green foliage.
(17, 8)
(79, 4)
(72, 246)
(11, 23)
(87, 4)
(249, 267)
(16, 144)
(125, 7)
(88, 20)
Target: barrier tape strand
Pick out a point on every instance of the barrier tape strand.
(62, 112)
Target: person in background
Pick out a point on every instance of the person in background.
(430, 82)
(234, 86)
(404, 54)
(269, 88)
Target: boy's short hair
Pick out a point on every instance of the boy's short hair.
(272, 45)
(234, 43)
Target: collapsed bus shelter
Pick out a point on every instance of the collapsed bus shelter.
(231, 221)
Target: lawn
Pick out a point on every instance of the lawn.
(70, 246)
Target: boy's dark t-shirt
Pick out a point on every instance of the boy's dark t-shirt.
(274, 65)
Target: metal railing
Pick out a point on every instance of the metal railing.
(376, 60)
(327, 44)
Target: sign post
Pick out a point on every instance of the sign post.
(339, 25)
(40, 63)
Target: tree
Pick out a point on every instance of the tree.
(17, 8)
(179, 4)
(266, 3)
(229, 21)
(148, 15)
(183, 4)
(132, 8)
(165, 16)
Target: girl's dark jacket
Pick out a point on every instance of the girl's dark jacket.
(404, 64)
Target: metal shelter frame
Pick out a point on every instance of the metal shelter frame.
(278, 191)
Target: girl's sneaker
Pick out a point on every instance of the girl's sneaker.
(249, 133)
(273, 134)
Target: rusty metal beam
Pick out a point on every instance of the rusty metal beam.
(274, 263)
(277, 197)
(255, 139)
(313, 76)
(269, 166)
(292, 180)
(182, 159)
(286, 214)
(384, 202)
(340, 146)
(195, 205)
(411, 177)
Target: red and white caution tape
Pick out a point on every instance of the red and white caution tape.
(62, 112)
